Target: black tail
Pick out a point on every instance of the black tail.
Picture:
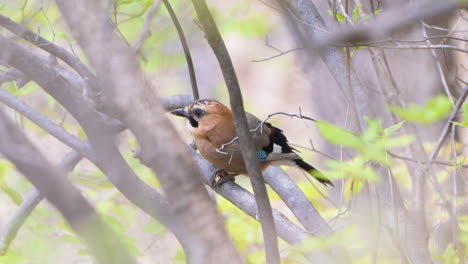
(314, 172)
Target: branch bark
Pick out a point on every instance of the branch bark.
(101, 241)
(8, 233)
(139, 108)
(242, 130)
(108, 158)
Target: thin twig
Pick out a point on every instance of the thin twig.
(146, 32)
(183, 42)
(421, 162)
(444, 29)
(281, 53)
(449, 124)
(260, 126)
(53, 49)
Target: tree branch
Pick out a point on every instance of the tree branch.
(242, 130)
(109, 161)
(53, 49)
(8, 233)
(161, 150)
(183, 42)
(386, 23)
(51, 182)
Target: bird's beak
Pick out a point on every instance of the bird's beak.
(180, 112)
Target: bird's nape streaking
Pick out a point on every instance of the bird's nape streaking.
(212, 128)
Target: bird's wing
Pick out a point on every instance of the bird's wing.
(277, 148)
(260, 131)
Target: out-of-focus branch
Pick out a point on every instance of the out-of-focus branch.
(242, 130)
(389, 198)
(146, 31)
(438, 162)
(449, 123)
(10, 75)
(140, 110)
(46, 124)
(303, 209)
(387, 23)
(101, 241)
(297, 202)
(69, 94)
(183, 42)
(53, 49)
(8, 233)
(244, 200)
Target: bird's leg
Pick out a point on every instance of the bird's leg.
(221, 176)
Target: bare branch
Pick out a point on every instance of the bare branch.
(46, 124)
(146, 32)
(51, 182)
(183, 42)
(8, 233)
(53, 49)
(386, 23)
(421, 162)
(111, 162)
(140, 110)
(242, 130)
(449, 123)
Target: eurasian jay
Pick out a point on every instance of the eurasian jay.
(212, 128)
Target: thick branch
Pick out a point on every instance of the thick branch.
(134, 100)
(101, 241)
(387, 23)
(9, 232)
(109, 161)
(53, 49)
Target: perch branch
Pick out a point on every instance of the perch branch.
(242, 130)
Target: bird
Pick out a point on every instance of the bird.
(211, 125)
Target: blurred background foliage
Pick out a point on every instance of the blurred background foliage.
(249, 28)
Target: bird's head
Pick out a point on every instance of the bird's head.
(204, 114)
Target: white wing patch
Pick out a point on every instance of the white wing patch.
(276, 148)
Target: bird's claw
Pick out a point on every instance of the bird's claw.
(221, 176)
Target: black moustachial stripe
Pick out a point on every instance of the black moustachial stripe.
(193, 122)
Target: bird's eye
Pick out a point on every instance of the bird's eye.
(198, 112)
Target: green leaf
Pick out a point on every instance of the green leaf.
(463, 124)
(373, 131)
(392, 129)
(434, 110)
(449, 255)
(396, 142)
(465, 117)
(338, 135)
(356, 48)
(338, 16)
(356, 168)
(12, 256)
(355, 14)
(179, 258)
(465, 112)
